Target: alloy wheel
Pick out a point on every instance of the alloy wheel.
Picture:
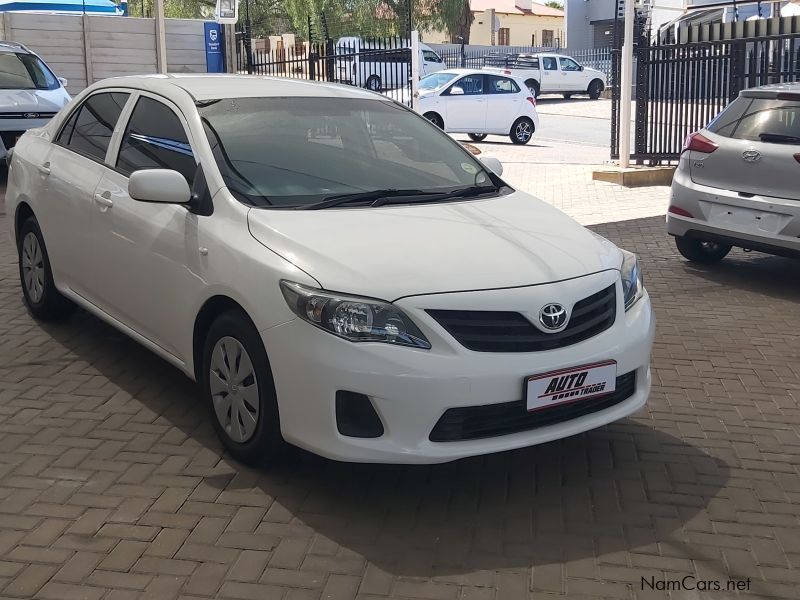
(33, 267)
(234, 389)
(523, 131)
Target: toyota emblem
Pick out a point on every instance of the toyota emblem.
(751, 155)
(553, 316)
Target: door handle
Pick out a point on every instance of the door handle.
(104, 199)
(45, 168)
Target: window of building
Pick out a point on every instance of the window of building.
(547, 38)
(503, 36)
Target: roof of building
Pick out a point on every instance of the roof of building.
(515, 7)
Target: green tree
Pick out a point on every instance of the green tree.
(555, 4)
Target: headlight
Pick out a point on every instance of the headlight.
(352, 318)
(632, 282)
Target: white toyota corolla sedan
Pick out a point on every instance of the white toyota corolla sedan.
(333, 270)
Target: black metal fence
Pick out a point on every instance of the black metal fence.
(679, 88)
(378, 64)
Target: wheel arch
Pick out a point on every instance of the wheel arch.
(21, 214)
(212, 308)
(598, 80)
(434, 112)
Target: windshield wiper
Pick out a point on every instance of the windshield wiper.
(778, 138)
(394, 196)
(467, 192)
(362, 197)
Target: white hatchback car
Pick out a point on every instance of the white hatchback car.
(479, 103)
(330, 268)
(737, 180)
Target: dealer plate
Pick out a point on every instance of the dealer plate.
(570, 385)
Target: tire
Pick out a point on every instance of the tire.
(533, 86)
(435, 119)
(701, 251)
(39, 291)
(521, 131)
(567, 96)
(374, 83)
(595, 89)
(477, 137)
(246, 418)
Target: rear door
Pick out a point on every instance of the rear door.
(503, 103)
(70, 175)
(466, 113)
(551, 81)
(758, 150)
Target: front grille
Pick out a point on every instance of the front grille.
(10, 138)
(492, 420)
(500, 331)
(27, 115)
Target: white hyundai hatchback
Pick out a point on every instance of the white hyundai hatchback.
(330, 268)
(479, 104)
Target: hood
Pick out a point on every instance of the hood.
(397, 251)
(33, 100)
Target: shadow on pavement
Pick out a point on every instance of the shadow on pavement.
(615, 489)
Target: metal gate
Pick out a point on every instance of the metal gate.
(681, 86)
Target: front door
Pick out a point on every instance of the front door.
(466, 108)
(149, 253)
(572, 76)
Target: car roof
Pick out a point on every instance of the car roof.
(210, 86)
(772, 90)
(13, 47)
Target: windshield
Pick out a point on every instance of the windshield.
(292, 152)
(25, 72)
(435, 80)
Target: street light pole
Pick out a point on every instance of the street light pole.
(626, 83)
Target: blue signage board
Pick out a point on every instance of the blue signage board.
(215, 53)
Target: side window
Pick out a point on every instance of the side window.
(88, 131)
(471, 84)
(155, 139)
(66, 132)
(567, 64)
(502, 85)
(430, 56)
(549, 63)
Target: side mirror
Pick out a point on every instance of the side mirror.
(159, 185)
(494, 165)
(63, 81)
(456, 91)
(580, 68)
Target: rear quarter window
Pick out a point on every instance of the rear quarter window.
(759, 120)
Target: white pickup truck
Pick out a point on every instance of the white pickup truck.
(549, 73)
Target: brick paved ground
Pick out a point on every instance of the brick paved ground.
(113, 486)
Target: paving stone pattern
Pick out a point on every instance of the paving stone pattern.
(114, 487)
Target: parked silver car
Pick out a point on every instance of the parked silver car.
(30, 93)
(737, 181)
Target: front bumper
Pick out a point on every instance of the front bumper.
(758, 222)
(410, 389)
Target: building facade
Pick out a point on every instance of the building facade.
(510, 23)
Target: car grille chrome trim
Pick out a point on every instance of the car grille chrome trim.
(506, 331)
